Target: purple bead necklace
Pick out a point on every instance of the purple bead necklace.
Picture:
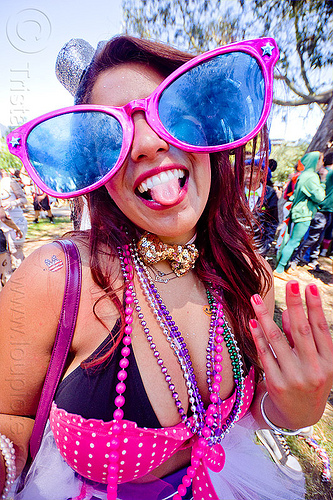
(218, 330)
(207, 423)
(177, 343)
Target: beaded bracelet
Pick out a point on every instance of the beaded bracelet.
(280, 430)
(8, 452)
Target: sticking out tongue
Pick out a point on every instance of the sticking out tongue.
(166, 193)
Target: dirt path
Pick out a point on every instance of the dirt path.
(323, 280)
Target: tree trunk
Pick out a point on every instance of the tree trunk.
(323, 138)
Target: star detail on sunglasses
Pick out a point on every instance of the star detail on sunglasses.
(15, 141)
(267, 49)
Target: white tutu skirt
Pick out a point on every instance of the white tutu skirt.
(248, 474)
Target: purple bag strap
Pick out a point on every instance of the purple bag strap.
(64, 335)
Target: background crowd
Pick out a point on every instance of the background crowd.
(15, 198)
(294, 221)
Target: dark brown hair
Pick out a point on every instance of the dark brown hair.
(227, 259)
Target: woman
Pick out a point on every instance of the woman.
(160, 403)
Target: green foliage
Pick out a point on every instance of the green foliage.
(7, 160)
(309, 22)
(192, 25)
(303, 30)
(287, 156)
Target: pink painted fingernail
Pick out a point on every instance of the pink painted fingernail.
(314, 289)
(294, 287)
(253, 323)
(257, 299)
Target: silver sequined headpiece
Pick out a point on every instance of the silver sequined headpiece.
(74, 57)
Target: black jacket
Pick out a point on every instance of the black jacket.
(268, 220)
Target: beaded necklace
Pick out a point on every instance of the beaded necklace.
(162, 277)
(207, 423)
(219, 332)
(176, 341)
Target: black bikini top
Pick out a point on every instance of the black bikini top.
(90, 392)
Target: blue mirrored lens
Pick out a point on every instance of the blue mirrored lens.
(216, 102)
(74, 150)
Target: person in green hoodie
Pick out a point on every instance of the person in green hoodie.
(321, 220)
(309, 192)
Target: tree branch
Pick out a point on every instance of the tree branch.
(313, 99)
(299, 52)
(323, 98)
(190, 35)
(291, 85)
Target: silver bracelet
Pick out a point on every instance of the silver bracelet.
(8, 453)
(280, 430)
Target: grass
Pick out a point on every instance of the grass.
(316, 488)
(44, 230)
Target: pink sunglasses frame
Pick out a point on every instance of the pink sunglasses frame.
(263, 50)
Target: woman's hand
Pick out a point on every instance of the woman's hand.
(298, 366)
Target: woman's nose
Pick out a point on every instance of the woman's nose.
(146, 143)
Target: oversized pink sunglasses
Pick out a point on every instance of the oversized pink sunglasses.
(218, 100)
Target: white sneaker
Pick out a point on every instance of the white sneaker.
(280, 452)
(306, 431)
(323, 253)
(313, 264)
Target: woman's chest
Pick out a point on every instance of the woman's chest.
(173, 339)
(174, 346)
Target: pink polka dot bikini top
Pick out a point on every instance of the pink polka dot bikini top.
(86, 444)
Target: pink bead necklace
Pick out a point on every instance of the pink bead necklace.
(209, 429)
(119, 401)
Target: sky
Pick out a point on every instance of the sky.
(33, 31)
